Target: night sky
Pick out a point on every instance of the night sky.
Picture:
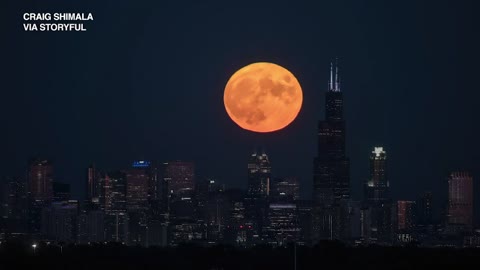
(147, 79)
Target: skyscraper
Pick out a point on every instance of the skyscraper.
(138, 178)
(285, 189)
(405, 229)
(179, 177)
(378, 201)
(405, 216)
(237, 231)
(282, 224)
(13, 203)
(94, 186)
(40, 187)
(40, 180)
(377, 188)
(460, 199)
(256, 199)
(211, 208)
(331, 168)
(138, 182)
(259, 175)
(115, 191)
(178, 180)
(115, 205)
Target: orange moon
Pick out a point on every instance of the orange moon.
(263, 97)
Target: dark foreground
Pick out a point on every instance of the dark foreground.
(327, 256)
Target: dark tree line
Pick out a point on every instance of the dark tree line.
(326, 255)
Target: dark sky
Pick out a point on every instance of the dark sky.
(146, 81)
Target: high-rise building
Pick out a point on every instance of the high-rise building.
(40, 180)
(460, 199)
(377, 199)
(180, 178)
(377, 187)
(259, 175)
(256, 199)
(115, 205)
(405, 221)
(94, 185)
(211, 208)
(40, 187)
(282, 224)
(237, 231)
(331, 169)
(138, 183)
(115, 191)
(285, 189)
(405, 215)
(14, 205)
(183, 223)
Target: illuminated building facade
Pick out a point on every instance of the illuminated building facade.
(138, 179)
(94, 185)
(378, 212)
(184, 226)
(377, 188)
(282, 224)
(406, 215)
(40, 180)
(259, 175)
(256, 199)
(460, 199)
(180, 178)
(237, 232)
(285, 189)
(115, 205)
(211, 209)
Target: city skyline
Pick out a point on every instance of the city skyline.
(271, 134)
(110, 95)
(167, 204)
(334, 108)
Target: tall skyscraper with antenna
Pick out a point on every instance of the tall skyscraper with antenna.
(331, 168)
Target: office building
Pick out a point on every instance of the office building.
(331, 169)
(460, 200)
(377, 200)
(40, 180)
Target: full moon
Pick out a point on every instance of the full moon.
(263, 97)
